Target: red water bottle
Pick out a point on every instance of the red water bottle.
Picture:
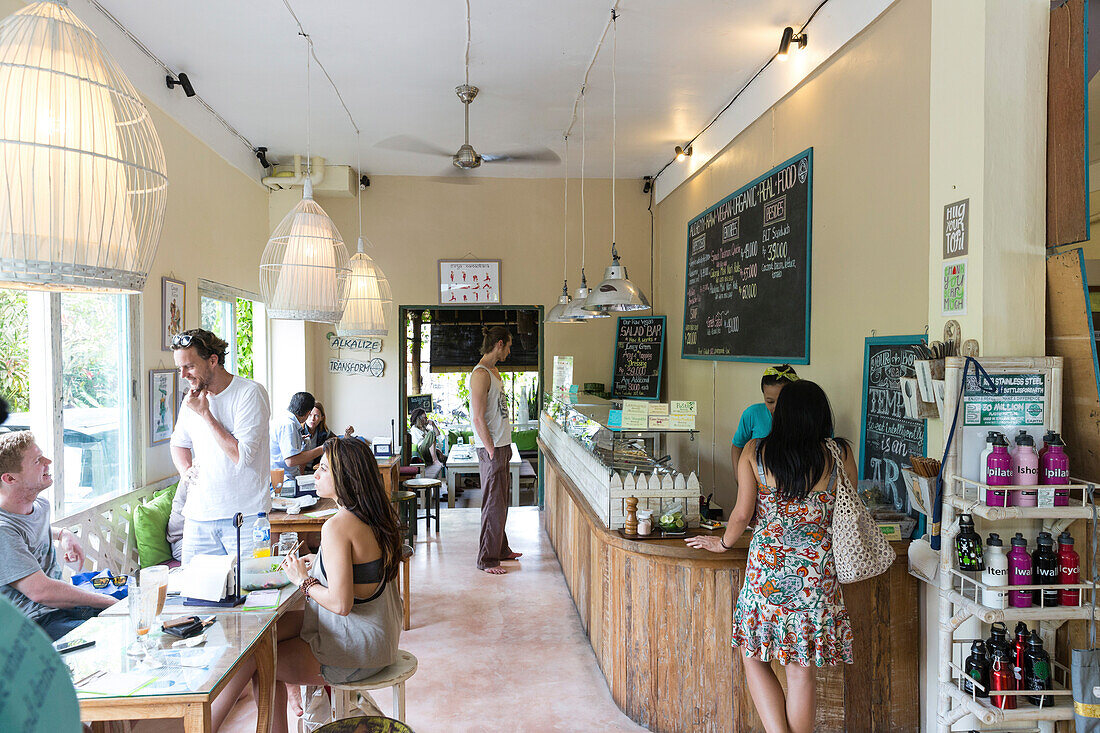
(1069, 570)
(1002, 679)
(1018, 651)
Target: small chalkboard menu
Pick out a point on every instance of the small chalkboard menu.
(639, 358)
(747, 290)
(887, 436)
(421, 401)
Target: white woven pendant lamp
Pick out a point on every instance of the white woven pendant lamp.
(83, 183)
(304, 268)
(369, 298)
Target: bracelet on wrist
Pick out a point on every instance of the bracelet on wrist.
(721, 541)
(307, 584)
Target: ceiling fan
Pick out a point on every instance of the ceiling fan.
(466, 158)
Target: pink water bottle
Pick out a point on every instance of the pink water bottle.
(1019, 572)
(998, 471)
(1025, 471)
(1054, 469)
(1048, 438)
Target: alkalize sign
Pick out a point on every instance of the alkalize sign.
(354, 343)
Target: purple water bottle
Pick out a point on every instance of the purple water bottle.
(1025, 470)
(1019, 572)
(1054, 469)
(998, 471)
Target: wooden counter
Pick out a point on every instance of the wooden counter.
(659, 616)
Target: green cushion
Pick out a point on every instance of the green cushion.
(151, 528)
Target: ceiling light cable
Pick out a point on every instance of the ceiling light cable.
(313, 52)
(565, 248)
(467, 60)
(168, 70)
(591, 63)
(614, 113)
(688, 144)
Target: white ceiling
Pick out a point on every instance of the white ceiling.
(397, 63)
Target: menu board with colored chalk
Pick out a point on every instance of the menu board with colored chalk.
(639, 358)
(747, 287)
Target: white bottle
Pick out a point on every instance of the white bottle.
(995, 573)
(983, 467)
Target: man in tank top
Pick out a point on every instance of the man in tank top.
(493, 438)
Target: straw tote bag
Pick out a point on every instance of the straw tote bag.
(860, 550)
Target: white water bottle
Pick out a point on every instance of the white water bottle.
(995, 573)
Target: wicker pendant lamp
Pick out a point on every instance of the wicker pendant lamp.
(83, 183)
(369, 295)
(304, 268)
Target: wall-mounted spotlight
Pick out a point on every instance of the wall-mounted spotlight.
(364, 182)
(789, 37)
(647, 184)
(180, 81)
(683, 153)
(261, 154)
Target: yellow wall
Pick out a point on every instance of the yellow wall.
(215, 227)
(865, 113)
(413, 222)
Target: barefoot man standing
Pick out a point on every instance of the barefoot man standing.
(493, 438)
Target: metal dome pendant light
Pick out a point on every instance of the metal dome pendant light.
(575, 309)
(304, 268)
(369, 294)
(615, 292)
(83, 184)
(557, 313)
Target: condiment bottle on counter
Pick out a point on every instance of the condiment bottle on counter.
(1044, 571)
(1069, 570)
(968, 546)
(1019, 572)
(995, 573)
(998, 471)
(1025, 471)
(977, 670)
(645, 522)
(1054, 470)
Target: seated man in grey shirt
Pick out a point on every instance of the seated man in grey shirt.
(30, 574)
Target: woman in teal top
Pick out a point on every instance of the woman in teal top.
(756, 420)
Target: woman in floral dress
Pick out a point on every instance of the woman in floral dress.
(790, 607)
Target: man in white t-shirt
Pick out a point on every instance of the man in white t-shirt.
(220, 443)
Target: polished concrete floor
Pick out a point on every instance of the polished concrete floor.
(496, 653)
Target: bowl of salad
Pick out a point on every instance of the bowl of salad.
(262, 573)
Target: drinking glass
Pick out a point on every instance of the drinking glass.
(287, 541)
(156, 577)
(142, 601)
(277, 476)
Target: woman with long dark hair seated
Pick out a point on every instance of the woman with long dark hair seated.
(351, 624)
(790, 607)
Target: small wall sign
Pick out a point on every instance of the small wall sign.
(469, 282)
(956, 229)
(373, 368)
(354, 343)
(954, 288)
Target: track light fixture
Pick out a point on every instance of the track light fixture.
(683, 153)
(789, 37)
(261, 155)
(180, 81)
(647, 184)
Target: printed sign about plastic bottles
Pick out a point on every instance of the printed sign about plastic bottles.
(1020, 399)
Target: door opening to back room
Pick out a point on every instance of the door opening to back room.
(442, 346)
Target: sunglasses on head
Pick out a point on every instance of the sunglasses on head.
(183, 340)
(101, 582)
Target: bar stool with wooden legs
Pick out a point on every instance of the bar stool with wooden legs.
(431, 490)
(345, 697)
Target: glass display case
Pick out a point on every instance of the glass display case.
(584, 417)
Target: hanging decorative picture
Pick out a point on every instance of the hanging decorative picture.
(163, 394)
(172, 302)
(469, 282)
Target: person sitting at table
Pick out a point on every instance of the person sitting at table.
(288, 448)
(351, 624)
(316, 432)
(427, 437)
(30, 574)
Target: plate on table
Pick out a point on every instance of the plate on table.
(284, 503)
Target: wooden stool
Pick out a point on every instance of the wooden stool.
(406, 510)
(406, 597)
(345, 697)
(430, 487)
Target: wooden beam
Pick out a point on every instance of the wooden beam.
(1067, 156)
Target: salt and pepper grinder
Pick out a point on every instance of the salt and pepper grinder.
(630, 528)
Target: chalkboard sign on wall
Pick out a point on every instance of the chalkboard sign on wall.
(747, 290)
(457, 335)
(888, 437)
(639, 358)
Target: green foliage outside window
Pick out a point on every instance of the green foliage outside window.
(244, 338)
(15, 363)
(89, 337)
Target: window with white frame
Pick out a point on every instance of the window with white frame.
(68, 370)
(238, 317)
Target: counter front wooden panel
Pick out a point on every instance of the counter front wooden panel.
(659, 616)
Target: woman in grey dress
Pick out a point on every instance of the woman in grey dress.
(352, 619)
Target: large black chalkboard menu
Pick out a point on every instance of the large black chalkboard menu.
(747, 291)
(639, 358)
(888, 437)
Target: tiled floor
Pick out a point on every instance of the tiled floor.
(496, 653)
